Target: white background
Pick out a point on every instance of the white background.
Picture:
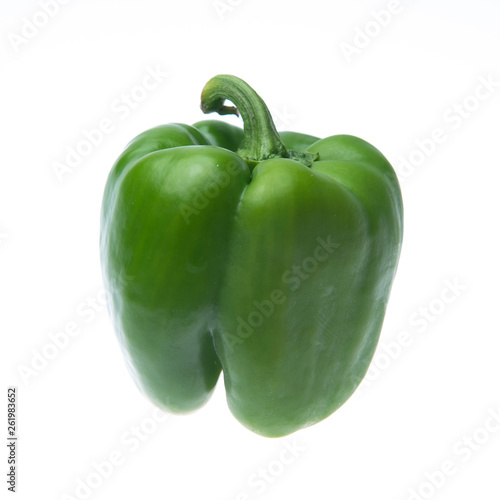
(432, 394)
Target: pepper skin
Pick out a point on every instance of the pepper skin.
(269, 257)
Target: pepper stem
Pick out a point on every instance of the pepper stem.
(261, 140)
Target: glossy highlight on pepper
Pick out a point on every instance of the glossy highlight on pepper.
(269, 257)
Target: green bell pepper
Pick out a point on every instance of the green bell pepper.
(268, 257)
